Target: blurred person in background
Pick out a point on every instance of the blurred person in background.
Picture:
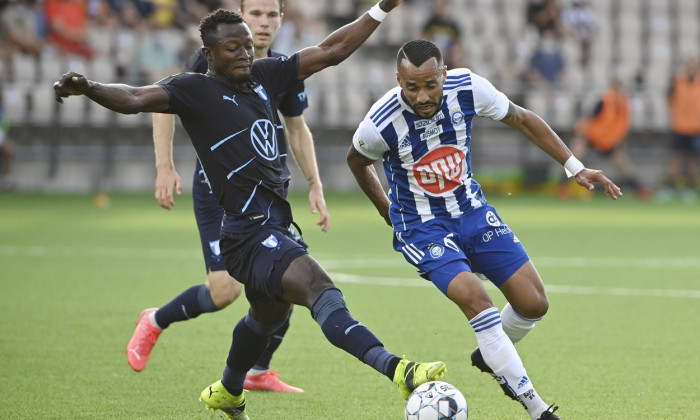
(544, 15)
(21, 32)
(684, 106)
(189, 12)
(579, 22)
(442, 223)
(158, 53)
(264, 18)
(298, 29)
(444, 31)
(547, 65)
(605, 131)
(6, 148)
(67, 24)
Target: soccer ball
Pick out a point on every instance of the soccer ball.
(436, 401)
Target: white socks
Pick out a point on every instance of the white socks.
(152, 318)
(515, 325)
(500, 355)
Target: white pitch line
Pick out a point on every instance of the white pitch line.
(169, 254)
(550, 288)
(683, 262)
(666, 263)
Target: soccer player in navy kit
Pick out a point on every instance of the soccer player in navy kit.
(442, 223)
(264, 18)
(230, 116)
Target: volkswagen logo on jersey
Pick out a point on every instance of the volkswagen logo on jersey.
(436, 251)
(263, 135)
(440, 170)
(492, 220)
(271, 242)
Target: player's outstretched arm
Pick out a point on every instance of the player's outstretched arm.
(343, 42)
(365, 174)
(168, 181)
(541, 134)
(121, 98)
(301, 142)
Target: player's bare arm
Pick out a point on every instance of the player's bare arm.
(301, 143)
(341, 43)
(121, 98)
(365, 174)
(168, 181)
(541, 134)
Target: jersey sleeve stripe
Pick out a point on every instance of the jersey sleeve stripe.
(385, 110)
(381, 118)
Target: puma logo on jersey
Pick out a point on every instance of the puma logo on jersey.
(232, 99)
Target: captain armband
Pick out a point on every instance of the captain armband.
(572, 166)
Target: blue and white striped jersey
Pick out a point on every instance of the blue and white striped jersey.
(428, 161)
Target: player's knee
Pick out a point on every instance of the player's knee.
(265, 329)
(224, 288)
(534, 308)
(469, 294)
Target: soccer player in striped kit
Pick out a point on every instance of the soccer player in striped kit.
(442, 223)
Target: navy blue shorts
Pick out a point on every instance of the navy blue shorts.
(209, 214)
(478, 242)
(259, 259)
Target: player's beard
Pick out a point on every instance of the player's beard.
(435, 109)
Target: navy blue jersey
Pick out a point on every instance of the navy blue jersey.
(292, 102)
(239, 139)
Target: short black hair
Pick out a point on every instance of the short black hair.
(418, 52)
(209, 25)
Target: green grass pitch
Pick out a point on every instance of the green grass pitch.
(621, 340)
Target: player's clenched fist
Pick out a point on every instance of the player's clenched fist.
(70, 83)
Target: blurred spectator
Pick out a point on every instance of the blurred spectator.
(67, 22)
(190, 12)
(544, 15)
(443, 31)
(546, 69)
(684, 104)
(579, 22)
(159, 46)
(158, 56)
(6, 149)
(21, 31)
(298, 30)
(605, 132)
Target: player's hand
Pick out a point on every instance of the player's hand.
(587, 177)
(388, 5)
(318, 204)
(70, 83)
(167, 181)
(384, 212)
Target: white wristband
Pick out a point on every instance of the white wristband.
(572, 166)
(377, 13)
